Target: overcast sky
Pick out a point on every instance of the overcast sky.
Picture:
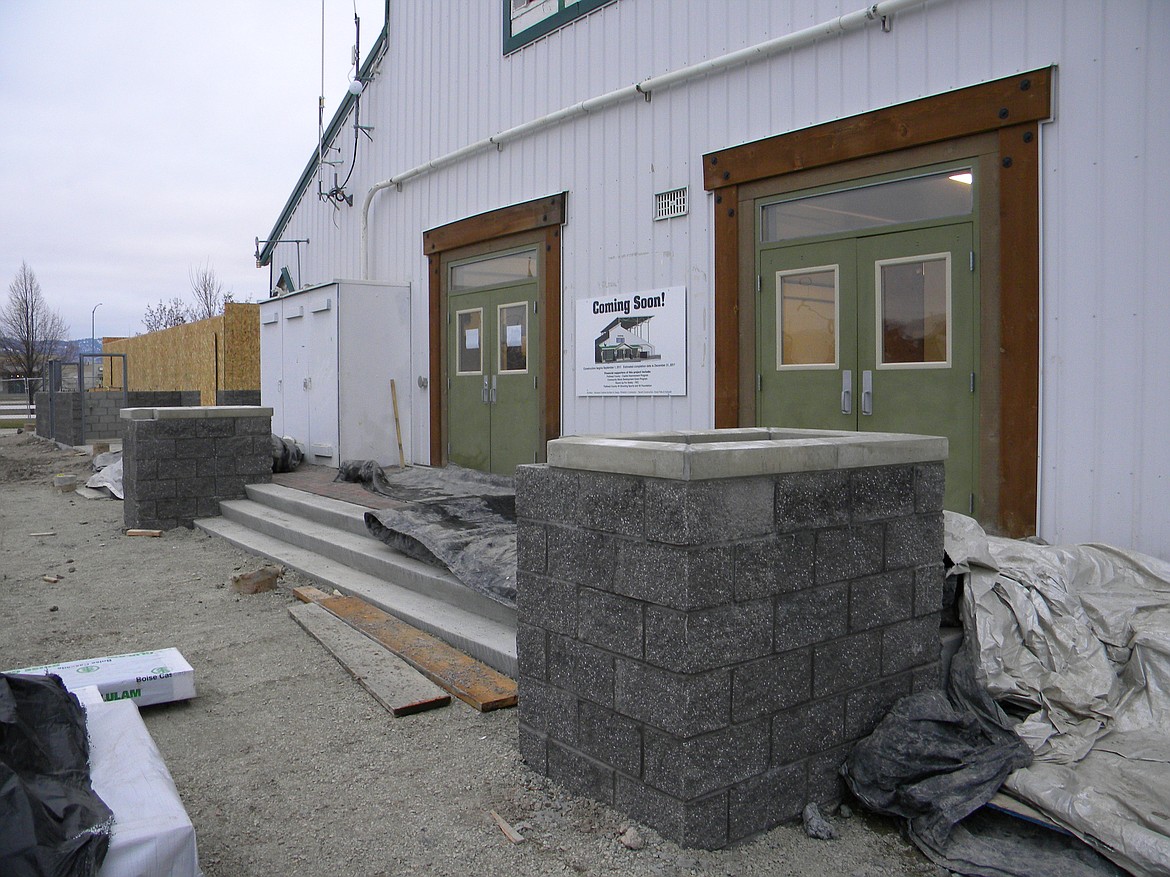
(140, 140)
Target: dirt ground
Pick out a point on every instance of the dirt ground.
(284, 763)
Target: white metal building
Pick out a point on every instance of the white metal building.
(919, 215)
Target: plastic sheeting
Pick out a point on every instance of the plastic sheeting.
(1074, 643)
(152, 833)
(108, 474)
(453, 518)
(286, 454)
(52, 822)
(936, 758)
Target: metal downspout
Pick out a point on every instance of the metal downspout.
(879, 12)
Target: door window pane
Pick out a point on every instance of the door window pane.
(469, 330)
(806, 317)
(914, 310)
(916, 199)
(494, 271)
(513, 337)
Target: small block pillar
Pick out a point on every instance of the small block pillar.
(179, 463)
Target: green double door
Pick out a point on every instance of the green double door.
(874, 333)
(493, 407)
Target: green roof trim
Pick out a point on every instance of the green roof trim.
(566, 13)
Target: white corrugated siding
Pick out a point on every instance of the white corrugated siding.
(1105, 472)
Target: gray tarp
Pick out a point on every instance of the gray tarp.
(1077, 641)
(108, 474)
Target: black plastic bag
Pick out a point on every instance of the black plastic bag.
(52, 823)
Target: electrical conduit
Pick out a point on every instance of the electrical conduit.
(876, 12)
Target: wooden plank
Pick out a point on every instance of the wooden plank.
(550, 300)
(989, 106)
(138, 532)
(438, 349)
(469, 680)
(1006, 804)
(516, 218)
(506, 827)
(391, 681)
(727, 351)
(1019, 332)
(309, 594)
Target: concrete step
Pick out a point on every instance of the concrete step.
(304, 524)
(362, 566)
(332, 512)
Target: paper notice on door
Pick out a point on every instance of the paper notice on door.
(514, 335)
(471, 339)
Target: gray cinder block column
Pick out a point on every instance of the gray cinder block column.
(709, 621)
(179, 463)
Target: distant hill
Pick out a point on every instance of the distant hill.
(68, 349)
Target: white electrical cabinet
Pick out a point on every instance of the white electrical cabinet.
(327, 356)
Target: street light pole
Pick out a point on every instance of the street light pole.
(92, 334)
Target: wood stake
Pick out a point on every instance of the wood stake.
(509, 832)
(397, 425)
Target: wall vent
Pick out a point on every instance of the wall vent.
(668, 205)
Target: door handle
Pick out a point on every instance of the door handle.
(867, 392)
(493, 391)
(847, 391)
(484, 394)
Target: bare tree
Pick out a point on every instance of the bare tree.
(208, 292)
(30, 331)
(166, 314)
(209, 297)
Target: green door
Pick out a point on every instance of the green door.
(493, 409)
(874, 333)
(807, 335)
(916, 344)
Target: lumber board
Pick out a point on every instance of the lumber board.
(309, 594)
(473, 682)
(390, 680)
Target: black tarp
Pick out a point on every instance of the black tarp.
(936, 759)
(52, 823)
(453, 518)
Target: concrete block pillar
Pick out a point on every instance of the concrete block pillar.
(709, 621)
(179, 463)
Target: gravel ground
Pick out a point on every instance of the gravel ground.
(284, 763)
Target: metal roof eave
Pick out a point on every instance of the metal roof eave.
(310, 171)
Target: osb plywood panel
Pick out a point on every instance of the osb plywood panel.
(240, 354)
(221, 352)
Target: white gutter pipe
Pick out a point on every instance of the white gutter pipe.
(880, 11)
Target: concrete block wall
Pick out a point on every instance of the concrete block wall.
(59, 415)
(179, 463)
(237, 397)
(101, 416)
(701, 655)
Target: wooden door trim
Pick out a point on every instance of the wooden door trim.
(536, 221)
(1012, 108)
